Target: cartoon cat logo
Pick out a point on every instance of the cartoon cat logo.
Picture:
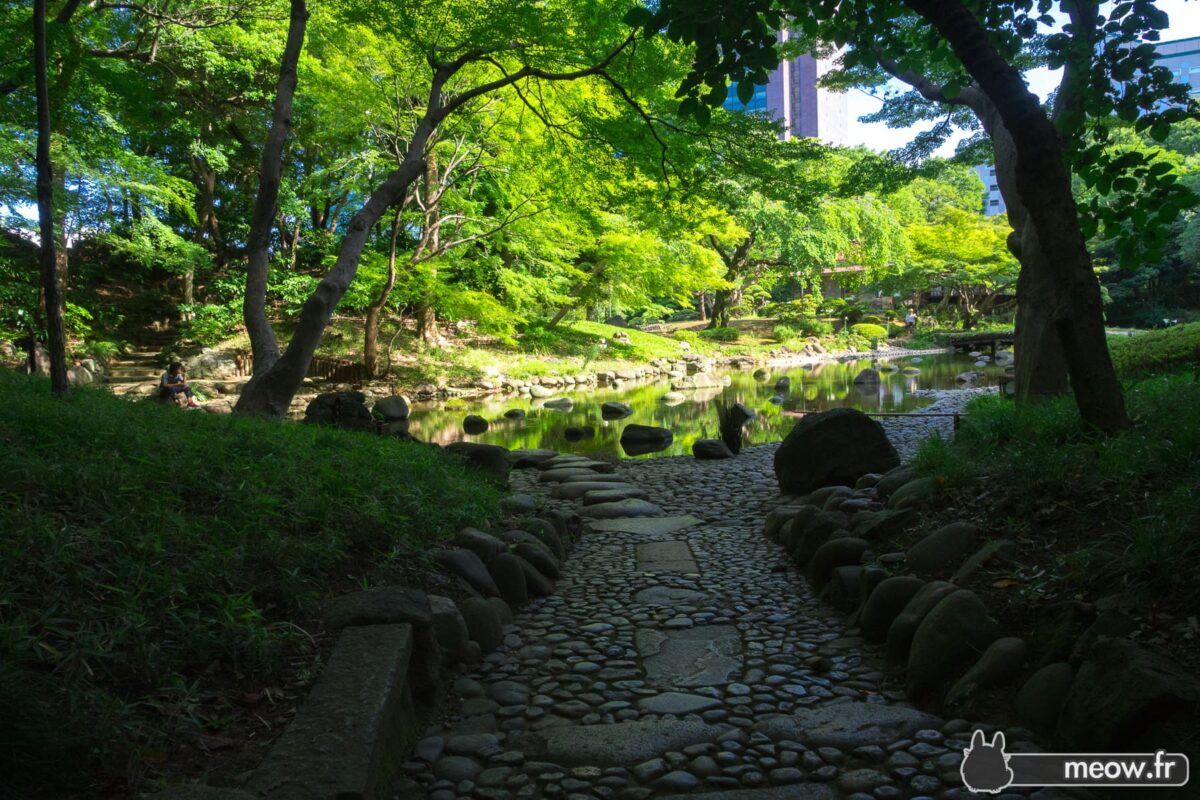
(985, 766)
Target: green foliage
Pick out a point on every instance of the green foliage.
(1166, 350)
(784, 333)
(872, 332)
(209, 324)
(817, 327)
(1129, 497)
(794, 312)
(720, 334)
(176, 544)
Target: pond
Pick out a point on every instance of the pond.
(815, 387)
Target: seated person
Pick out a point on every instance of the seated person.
(174, 386)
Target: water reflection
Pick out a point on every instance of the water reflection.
(581, 427)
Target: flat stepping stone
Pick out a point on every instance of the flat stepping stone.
(595, 477)
(678, 703)
(617, 745)
(795, 791)
(704, 656)
(673, 556)
(562, 473)
(578, 489)
(612, 493)
(622, 508)
(669, 596)
(849, 725)
(647, 525)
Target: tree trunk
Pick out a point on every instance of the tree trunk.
(722, 299)
(269, 393)
(263, 344)
(577, 292)
(700, 306)
(51, 286)
(375, 310)
(427, 328)
(1062, 289)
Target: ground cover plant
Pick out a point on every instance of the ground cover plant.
(1096, 518)
(152, 555)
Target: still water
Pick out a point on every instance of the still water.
(813, 388)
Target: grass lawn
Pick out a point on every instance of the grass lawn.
(156, 561)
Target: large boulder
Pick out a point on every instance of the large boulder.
(214, 364)
(832, 447)
(393, 407)
(949, 639)
(489, 459)
(346, 410)
(1123, 691)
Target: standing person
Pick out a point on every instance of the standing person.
(174, 386)
(910, 321)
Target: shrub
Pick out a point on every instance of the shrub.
(867, 330)
(817, 327)
(794, 311)
(720, 334)
(691, 337)
(1165, 350)
(784, 333)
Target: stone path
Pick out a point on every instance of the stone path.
(683, 655)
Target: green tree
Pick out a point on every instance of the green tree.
(969, 56)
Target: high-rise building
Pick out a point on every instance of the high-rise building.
(791, 96)
(1182, 57)
(993, 201)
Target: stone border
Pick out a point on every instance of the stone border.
(941, 638)
(390, 665)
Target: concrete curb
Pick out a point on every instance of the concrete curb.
(345, 741)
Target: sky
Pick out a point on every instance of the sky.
(1185, 22)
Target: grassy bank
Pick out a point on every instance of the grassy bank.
(1093, 516)
(155, 559)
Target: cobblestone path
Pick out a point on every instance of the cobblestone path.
(683, 655)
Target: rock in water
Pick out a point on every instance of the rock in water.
(614, 410)
(474, 424)
(640, 439)
(832, 447)
(393, 407)
(711, 449)
(867, 376)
